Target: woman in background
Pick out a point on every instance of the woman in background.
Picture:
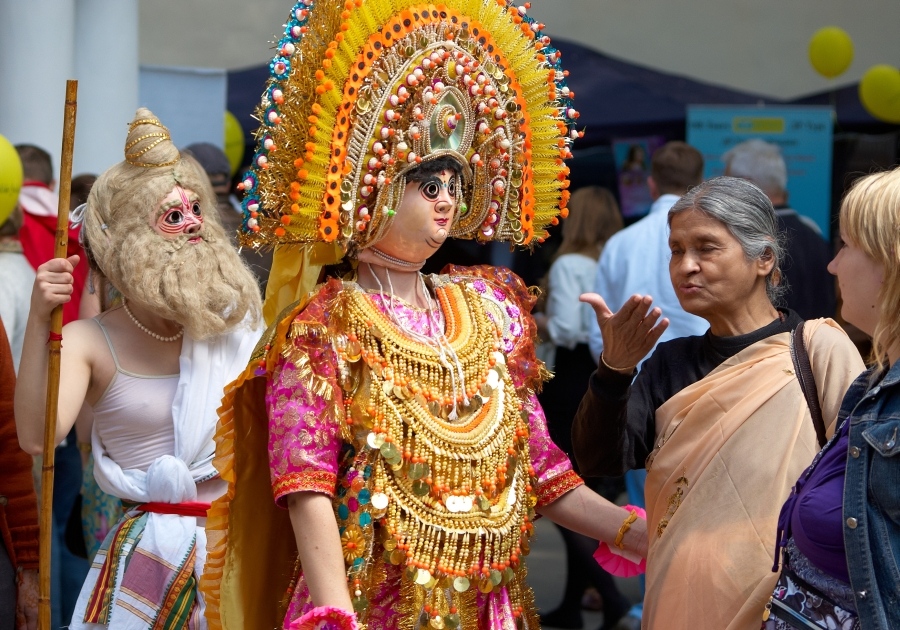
(593, 217)
(840, 528)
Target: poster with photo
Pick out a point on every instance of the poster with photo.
(632, 156)
(804, 134)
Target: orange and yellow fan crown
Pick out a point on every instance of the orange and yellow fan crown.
(362, 91)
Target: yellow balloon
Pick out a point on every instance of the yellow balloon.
(234, 142)
(10, 179)
(830, 51)
(879, 91)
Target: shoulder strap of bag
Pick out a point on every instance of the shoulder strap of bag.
(803, 369)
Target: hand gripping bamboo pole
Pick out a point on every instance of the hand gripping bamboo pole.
(55, 343)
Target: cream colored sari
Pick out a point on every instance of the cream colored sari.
(729, 449)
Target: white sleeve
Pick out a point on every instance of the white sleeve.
(9, 308)
(564, 323)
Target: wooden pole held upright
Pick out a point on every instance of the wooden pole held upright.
(55, 344)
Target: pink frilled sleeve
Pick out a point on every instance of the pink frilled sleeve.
(552, 467)
(302, 399)
(513, 315)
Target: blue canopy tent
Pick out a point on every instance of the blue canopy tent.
(851, 115)
(615, 98)
(619, 99)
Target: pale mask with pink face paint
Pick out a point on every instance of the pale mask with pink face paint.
(178, 213)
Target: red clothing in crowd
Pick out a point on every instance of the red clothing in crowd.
(18, 503)
(38, 237)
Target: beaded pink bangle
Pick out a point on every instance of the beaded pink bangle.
(325, 618)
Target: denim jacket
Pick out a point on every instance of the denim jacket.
(872, 498)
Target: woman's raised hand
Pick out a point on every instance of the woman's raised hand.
(630, 333)
(53, 285)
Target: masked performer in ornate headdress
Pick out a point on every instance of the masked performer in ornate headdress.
(394, 415)
(153, 370)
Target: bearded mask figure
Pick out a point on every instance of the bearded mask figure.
(151, 229)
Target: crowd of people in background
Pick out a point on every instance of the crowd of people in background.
(677, 343)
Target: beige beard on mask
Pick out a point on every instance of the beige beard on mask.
(204, 286)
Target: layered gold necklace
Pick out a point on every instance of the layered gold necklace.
(449, 478)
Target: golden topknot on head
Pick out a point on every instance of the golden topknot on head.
(149, 143)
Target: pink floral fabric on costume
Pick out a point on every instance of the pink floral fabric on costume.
(307, 453)
(304, 435)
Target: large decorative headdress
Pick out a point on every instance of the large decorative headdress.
(362, 92)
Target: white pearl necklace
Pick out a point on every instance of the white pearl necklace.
(174, 337)
(396, 263)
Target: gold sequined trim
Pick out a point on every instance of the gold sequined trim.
(304, 481)
(160, 136)
(300, 332)
(554, 488)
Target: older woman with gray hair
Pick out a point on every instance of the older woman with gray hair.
(720, 420)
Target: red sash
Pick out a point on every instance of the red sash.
(191, 508)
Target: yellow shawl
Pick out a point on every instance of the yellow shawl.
(729, 449)
(251, 550)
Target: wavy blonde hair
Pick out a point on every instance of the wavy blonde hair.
(870, 218)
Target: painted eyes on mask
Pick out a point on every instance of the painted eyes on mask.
(431, 189)
(175, 216)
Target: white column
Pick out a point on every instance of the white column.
(106, 65)
(36, 58)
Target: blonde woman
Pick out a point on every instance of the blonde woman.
(593, 217)
(840, 528)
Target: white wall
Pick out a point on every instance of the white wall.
(45, 42)
(36, 45)
(758, 46)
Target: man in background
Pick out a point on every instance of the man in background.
(218, 169)
(636, 259)
(810, 287)
(40, 203)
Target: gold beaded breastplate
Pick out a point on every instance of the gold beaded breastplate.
(441, 480)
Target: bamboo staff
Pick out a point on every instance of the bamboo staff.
(55, 343)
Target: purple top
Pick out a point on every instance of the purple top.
(813, 513)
